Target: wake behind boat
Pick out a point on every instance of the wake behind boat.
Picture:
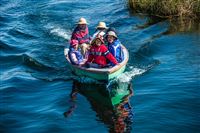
(104, 74)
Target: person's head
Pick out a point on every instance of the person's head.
(111, 36)
(98, 40)
(82, 23)
(101, 26)
(74, 44)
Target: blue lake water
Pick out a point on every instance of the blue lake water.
(36, 82)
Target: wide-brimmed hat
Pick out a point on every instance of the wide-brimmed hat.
(82, 21)
(98, 37)
(73, 42)
(102, 25)
(111, 33)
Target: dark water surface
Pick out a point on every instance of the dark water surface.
(36, 81)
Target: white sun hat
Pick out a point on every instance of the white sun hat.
(102, 25)
(82, 21)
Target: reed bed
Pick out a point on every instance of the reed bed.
(166, 8)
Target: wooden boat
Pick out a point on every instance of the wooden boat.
(104, 74)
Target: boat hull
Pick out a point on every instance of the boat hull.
(104, 74)
(97, 76)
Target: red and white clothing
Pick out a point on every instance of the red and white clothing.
(82, 35)
(100, 55)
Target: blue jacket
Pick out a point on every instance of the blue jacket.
(116, 50)
(78, 54)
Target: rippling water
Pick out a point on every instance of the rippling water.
(163, 70)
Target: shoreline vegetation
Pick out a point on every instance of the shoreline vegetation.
(167, 8)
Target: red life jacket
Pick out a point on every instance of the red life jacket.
(81, 35)
(100, 55)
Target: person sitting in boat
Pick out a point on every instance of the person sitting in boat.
(114, 46)
(74, 54)
(99, 54)
(81, 33)
(100, 30)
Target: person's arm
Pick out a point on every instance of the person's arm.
(74, 36)
(109, 56)
(90, 57)
(74, 59)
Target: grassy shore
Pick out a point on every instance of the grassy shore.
(167, 8)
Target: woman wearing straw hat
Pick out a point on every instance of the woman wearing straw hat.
(114, 46)
(100, 29)
(81, 33)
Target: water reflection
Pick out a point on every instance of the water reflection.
(110, 102)
(180, 24)
(183, 25)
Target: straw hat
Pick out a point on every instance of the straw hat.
(82, 21)
(102, 25)
(98, 37)
(112, 33)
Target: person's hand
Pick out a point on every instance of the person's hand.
(82, 64)
(81, 41)
(117, 64)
